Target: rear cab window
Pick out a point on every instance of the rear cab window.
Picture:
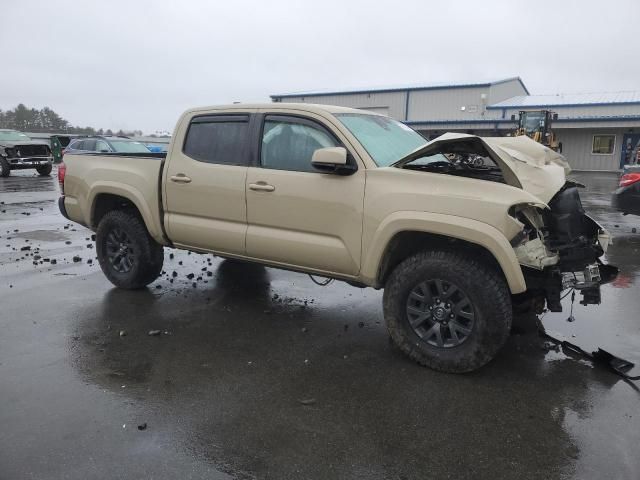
(219, 139)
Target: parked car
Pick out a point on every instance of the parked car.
(19, 152)
(105, 144)
(626, 198)
(359, 197)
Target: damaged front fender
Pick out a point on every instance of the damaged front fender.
(560, 248)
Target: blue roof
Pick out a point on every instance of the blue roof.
(432, 86)
(570, 100)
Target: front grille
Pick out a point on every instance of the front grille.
(31, 150)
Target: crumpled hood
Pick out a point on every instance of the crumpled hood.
(524, 163)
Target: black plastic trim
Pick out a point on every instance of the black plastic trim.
(62, 208)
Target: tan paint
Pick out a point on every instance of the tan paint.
(132, 178)
(312, 222)
(309, 219)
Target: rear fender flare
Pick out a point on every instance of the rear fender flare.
(134, 196)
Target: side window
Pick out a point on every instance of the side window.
(218, 139)
(89, 145)
(288, 144)
(101, 146)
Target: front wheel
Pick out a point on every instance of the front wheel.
(128, 256)
(44, 170)
(446, 311)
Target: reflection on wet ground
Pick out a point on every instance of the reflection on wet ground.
(260, 373)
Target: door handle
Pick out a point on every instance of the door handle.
(180, 178)
(262, 187)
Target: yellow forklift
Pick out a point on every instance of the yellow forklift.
(536, 124)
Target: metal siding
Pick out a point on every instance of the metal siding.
(445, 104)
(577, 145)
(505, 90)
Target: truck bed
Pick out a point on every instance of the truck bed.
(136, 176)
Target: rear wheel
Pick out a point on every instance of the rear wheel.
(44, 170)
(446, 311)
(5, 168)
(128, 256)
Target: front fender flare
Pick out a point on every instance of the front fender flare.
(461, 228)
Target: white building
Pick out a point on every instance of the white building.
(598, 131)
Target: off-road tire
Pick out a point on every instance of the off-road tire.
(149, 254)
(45, 170)
(5, 168)
(489, 296)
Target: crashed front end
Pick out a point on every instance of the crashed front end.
(559, 247)
(557, 244)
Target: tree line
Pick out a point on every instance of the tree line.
(46, 120)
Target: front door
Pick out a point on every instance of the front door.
(297, 216)
(205, 184)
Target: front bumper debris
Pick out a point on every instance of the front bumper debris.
(618, 365)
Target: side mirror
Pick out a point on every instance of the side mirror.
(332, 160)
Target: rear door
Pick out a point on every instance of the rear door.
(296, 215)
(204, 183)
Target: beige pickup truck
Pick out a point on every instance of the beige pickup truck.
(457, 231)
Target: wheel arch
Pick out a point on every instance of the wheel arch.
(406, 233)
(105, 198)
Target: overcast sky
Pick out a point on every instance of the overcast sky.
(138, 64)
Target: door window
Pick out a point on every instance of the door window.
(289, 144)
(218, 139)
(101, 146)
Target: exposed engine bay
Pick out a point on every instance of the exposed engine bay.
(558, 247)
(463, 159)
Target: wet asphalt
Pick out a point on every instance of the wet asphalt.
(259, 373)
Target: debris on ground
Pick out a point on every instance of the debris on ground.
(142, 426)
(123, 333)
(308, 401)
(617, 365)
(153, 333)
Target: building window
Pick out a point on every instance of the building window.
(603, 144)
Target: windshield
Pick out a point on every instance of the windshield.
(384, 139)
(124, 146)
(532, 122)
(13, 136)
